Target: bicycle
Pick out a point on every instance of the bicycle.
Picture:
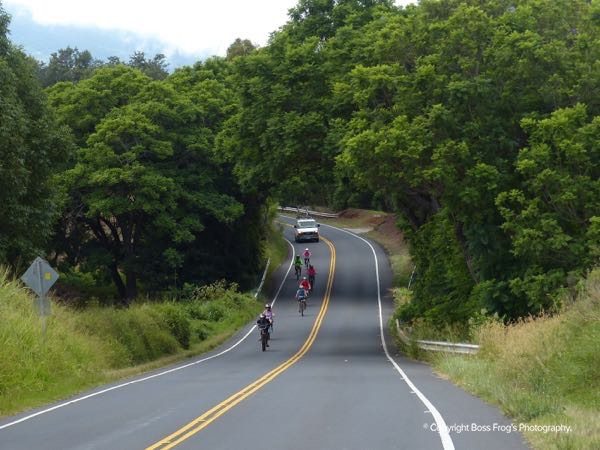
(301, 305)
(264, 338)
(311, 280)
(298, 270)
(306, 261)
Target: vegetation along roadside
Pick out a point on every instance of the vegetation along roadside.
(97, 344)
(540, 371)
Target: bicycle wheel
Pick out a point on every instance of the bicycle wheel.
(302, 307)
(263, 341)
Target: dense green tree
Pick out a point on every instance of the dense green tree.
(81, 106)
(437, 130)
(550, 216)
(71, 65)
(155, 68)
(32, 147)
(476, 121)
(113, 61)
(231, 249)
(149, 200)
(68, 64)
(240, 47)
(279, 139)
(122, 191)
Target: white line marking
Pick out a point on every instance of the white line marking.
(439, 420)
(175, 369)
(262, 281)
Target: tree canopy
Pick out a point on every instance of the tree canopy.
(72, 65)
(32, 148)
(453, 114)
(476, 121)
(146, 184)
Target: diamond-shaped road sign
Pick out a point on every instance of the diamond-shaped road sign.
(40, 277)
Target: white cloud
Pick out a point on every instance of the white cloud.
(187, 26)
(190, 26)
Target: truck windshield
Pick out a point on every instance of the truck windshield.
(307, 224)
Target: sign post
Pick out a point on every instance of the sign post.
(40, 277)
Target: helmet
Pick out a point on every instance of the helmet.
(306, 249)
(267, 306)
(304, 278)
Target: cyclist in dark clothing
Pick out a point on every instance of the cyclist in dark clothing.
(263, 324)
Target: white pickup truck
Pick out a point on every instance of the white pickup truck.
(306, 230)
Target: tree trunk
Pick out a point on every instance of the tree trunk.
(131, 288)
(418, 207)
(116, 276)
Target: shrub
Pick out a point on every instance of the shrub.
(177, 322)
(139, 331)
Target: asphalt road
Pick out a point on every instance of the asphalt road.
(327, 381)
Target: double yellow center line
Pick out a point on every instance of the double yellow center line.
(201, 422)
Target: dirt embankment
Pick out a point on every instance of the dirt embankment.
(381, 226)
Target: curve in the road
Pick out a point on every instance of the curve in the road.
(214, 413)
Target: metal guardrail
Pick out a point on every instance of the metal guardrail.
(299, 211)
(437, 346)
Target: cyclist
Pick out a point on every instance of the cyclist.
(305, 284)
(306, 254)
(311, 276)
(268, 312)
(298, 266)
(263, 324)
(301, 297)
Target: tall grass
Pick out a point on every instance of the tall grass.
(542, 371)
(35, 368)
(276, 249)
(85, 347)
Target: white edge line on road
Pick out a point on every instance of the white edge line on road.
(262, 281)
(119, 386)
(439, 420)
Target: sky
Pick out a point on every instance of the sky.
(185, 30)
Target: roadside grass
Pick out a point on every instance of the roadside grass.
(35, 369)
(88, 342)
(277, 249)
(543, 371)
(86, 347)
